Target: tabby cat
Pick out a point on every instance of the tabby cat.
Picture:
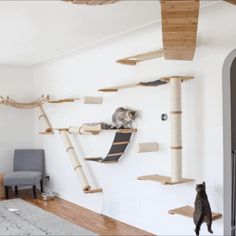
(123, 118)
(202, 212)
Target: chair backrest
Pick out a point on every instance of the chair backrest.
(29, 160)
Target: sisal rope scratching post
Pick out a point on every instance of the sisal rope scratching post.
(44, 119)
(176, 126)
(75, 160)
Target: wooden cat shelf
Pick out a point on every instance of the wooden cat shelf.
(187, 211)
(85, 100)
(164, 179)
(64, 100)
(154, 83)
(133, 60)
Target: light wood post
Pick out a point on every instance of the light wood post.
(176, 132)
(75, 160)
(44, 119)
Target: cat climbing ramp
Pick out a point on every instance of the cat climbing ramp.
(188, 212)
(119, 145)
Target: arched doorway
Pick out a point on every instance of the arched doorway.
(229, 142)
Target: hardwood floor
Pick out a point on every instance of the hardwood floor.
(83, 217)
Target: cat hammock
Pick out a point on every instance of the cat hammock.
(119, 144)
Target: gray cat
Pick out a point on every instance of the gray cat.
(202, 212)
(123, 118)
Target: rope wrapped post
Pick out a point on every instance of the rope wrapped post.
(148, 147)
(44, 119)
(176, 126)
(75, 160)
(92, 100)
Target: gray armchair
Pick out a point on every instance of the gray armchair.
(28, 170)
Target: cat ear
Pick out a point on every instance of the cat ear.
(204, 184)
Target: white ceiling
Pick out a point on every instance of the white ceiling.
(36, 31)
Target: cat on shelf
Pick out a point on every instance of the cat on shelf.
(123, 118)
(202, 210)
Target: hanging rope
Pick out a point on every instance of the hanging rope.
(38, 102)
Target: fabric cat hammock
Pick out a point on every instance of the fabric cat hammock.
(121, 140)
(119, 145)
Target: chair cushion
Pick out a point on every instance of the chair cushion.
(22, 178)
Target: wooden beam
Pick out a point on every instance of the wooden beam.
(231, 1)
(133, 60)
(179, 28)
(92, 2)
(188, 212)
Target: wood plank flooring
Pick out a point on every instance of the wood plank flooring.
(83, 217)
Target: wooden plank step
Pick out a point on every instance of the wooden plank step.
(166, 180)
(188, 212)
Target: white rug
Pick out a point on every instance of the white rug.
(17, 217)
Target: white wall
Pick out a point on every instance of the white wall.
(16, 126)
(143, 204)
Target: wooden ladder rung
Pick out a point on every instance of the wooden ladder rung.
(120, 143)
(115, 154)
(93, 158)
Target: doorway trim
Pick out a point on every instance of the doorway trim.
(227, 147)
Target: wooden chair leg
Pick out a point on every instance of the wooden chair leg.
(16, 191)
(34, 191)
(41, 186)
(7, 191)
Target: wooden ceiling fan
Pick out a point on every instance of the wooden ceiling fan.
(179, 25)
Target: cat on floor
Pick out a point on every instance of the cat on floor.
(202, 210)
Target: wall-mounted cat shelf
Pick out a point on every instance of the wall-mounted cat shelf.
(133, 60)
(87, 129)
(85, 100)
(154, 83)
(63, 100)
(188, 212)
(164, 179)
